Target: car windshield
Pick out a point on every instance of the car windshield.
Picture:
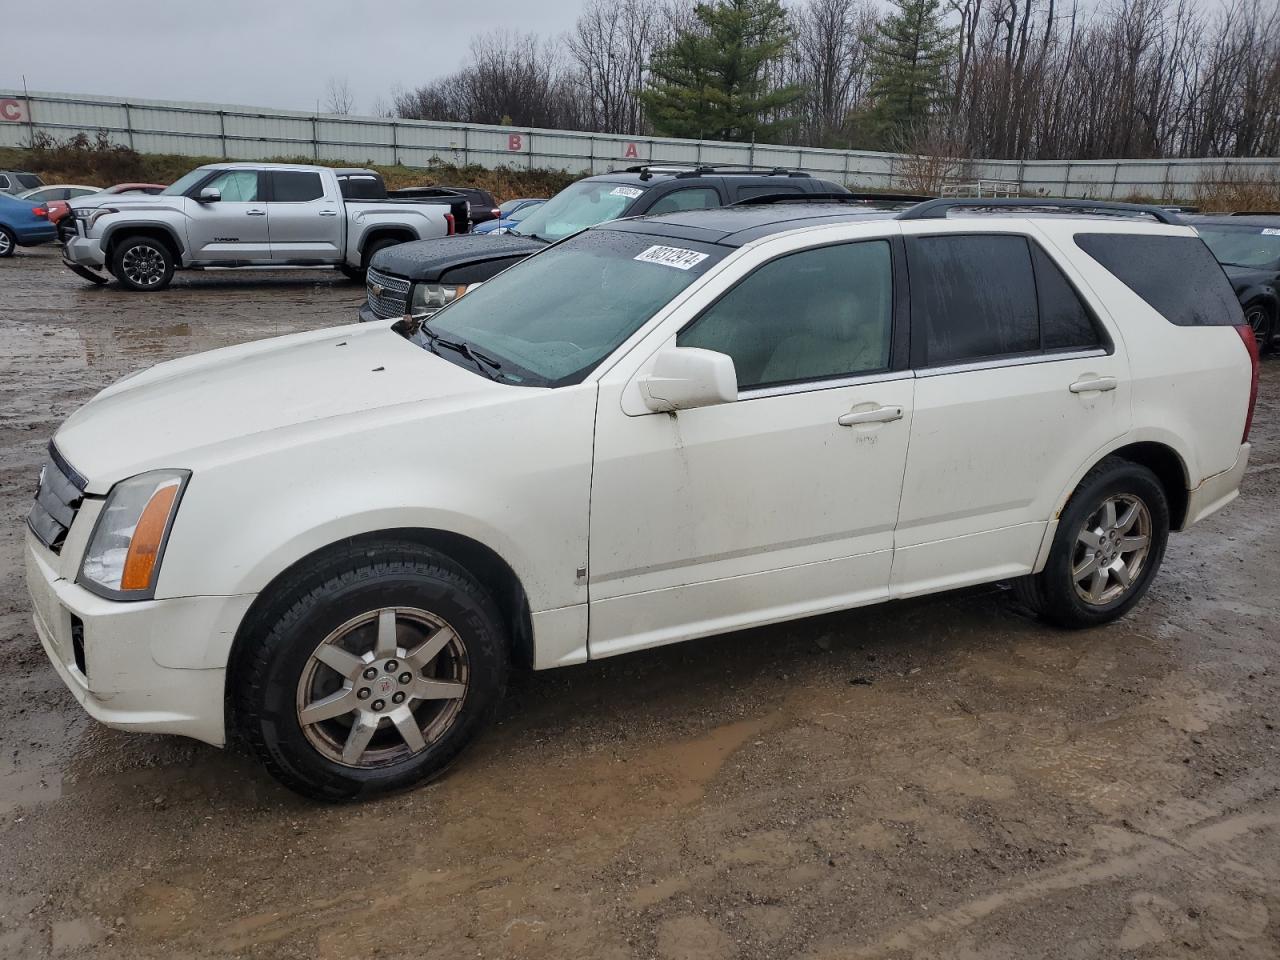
(1244, 246)
(183, 184)
(523, 213)
(549, 320)
(506, 208)
(574, 208)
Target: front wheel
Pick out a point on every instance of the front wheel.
(1110, 541)
(373, 673)
(1260, 319)
(142, 263)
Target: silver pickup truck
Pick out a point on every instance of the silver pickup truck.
(245, 215)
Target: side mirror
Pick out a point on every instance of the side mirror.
(210, 195)
(687, 377)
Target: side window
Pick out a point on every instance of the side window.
(811, 315)
(1065, 322)
(4, 182)
(1178, 276)
(295, 186)
(236, 186)
(690, 198)
(764, 190)
(973, 297)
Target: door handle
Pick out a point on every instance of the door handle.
(255, 213)
(328, 213)
(1094, 383)
(878, 415)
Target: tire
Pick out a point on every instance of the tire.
(8, 242)
(367, 257)
(351, 273)
(143, 264)
(336, 608)
(1260, 318)
(1086, 530)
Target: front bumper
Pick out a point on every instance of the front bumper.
(84, 252)
(1217, 491)
(106, 651)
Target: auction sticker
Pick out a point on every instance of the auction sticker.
(676, 257)
(1271, 231)
(629, 192)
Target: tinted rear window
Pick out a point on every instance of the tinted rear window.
(30, 180)
(1177, 276)
(290, 186)
(362, 187)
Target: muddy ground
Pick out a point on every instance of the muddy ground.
(941, 778)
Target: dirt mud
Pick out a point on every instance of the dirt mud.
(941, 778)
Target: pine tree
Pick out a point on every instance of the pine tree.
(712, 81)
(911, 51)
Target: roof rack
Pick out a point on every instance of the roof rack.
(698, 169)
(1256, 213)
(938, 209)
(862, 199)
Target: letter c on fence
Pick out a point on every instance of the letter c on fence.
(12, 111)
(515, 141)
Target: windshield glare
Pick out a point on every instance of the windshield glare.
(550, 319)
(584, 204)
(183, 184)
(1243, 246)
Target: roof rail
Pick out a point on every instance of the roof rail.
(680, 169)
(938, 209)
(1256, 213)
(862, 199)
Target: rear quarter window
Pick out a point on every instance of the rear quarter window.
(1176, 276)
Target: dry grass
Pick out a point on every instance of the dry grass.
(101, 163)
(1238, 191)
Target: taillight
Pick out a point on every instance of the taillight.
(496, 213)
(40, 212)
(448, 219)
(1250, 344)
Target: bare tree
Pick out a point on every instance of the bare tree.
(338, 97)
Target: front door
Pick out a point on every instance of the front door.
(774, 506)
(306, 221)
(1018, 385)
(234, 228)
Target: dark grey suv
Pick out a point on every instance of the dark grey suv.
(420, 278)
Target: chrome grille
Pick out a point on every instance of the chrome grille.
(388, 296)
(58, 498)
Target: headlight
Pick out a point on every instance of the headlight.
(430, 297)
(91, 215)
(122, 561)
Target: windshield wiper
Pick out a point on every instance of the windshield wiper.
(485, 364)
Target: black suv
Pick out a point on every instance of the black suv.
(422, 276)
(1248, 247)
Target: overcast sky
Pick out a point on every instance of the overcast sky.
(273, 53)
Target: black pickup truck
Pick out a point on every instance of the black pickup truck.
(420, 277)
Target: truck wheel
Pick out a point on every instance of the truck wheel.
(142, 263)
(1259, 318)
(1110, 542)
(8, 242)
(372, 673)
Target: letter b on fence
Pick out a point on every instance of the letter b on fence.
(515, 141)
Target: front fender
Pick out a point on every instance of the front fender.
(133, 223)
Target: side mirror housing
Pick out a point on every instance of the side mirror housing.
(210, 195)
(684, 378)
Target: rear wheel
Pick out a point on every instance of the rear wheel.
(142, 263)
(373, 673)
(8, 242)
(367, 257)
(1110, 542)
(1259, 317)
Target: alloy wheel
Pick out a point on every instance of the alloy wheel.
(1111, 549)
(6, 244)
(382, 687)
(1256, 317)
(144, 265)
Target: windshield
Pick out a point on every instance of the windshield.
(550, 319)
(582, 205)
(523, 213)
(1244, 246)
(183, 184)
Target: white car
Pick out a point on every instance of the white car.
(335, 544)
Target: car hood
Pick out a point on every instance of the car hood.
(124, 201)
(427, 259)
(224, 404)
(1244, 277)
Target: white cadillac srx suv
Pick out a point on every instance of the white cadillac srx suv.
(332, 546)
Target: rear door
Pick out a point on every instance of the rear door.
(234, 228)
(306, 220)
(1019, 383)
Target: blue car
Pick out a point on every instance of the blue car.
(23, 224)
(512, 212)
